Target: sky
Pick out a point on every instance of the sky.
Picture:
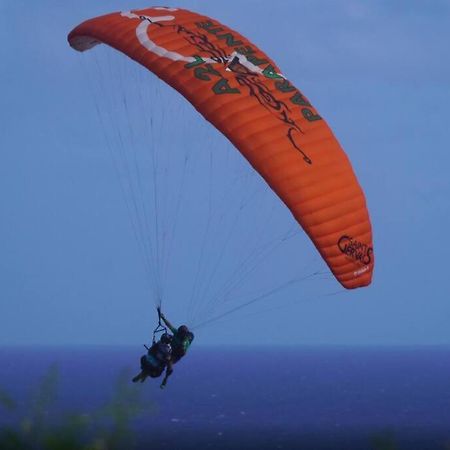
(70, 268)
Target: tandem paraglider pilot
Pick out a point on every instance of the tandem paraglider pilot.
(181, 340)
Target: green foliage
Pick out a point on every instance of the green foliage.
(384, 441)
(108, 428)
(6, 401)
(12, 440)
(118, 414)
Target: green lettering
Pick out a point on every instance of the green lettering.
(298, 99)
(256, 61)
(269, 72)
(215, 30)
(284, 86)
(198, 60)
(222, 87)
(202, 73)
(205, 25)
(309, 115)
(247, 50)
(230, 39)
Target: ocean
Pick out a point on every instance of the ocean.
(226, 398)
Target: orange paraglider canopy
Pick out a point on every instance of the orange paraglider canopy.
(243, 93)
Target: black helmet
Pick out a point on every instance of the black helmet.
(182, 331)
(166, 338)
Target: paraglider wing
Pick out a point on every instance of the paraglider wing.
(243, 93)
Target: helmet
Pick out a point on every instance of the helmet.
(182, 331)
(166, 338)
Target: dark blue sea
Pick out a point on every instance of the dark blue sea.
(247, 398)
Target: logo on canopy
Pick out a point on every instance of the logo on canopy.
(355, 249)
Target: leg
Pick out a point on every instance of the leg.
(169, 372)
(140, 376)
(143, 377)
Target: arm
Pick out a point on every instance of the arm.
(169, 325)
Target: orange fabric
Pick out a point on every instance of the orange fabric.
(241, 91)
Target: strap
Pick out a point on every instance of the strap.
(160, 328)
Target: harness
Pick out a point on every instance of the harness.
(160, 329)
(157, 356)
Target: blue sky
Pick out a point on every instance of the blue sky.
(70, 270)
